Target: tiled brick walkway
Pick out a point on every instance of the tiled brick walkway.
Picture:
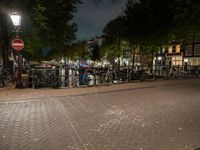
(162, 115)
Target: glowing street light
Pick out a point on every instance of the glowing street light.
(159, 58)
(16, 19)
(185, 60)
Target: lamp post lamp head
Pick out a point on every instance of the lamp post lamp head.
(16, 20)
(185, 60)
(159, 58)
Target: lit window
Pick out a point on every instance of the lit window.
(163, 50)
(170, 50)
(194, 62)
(178, 48)
(177, 60)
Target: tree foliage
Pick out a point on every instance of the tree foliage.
(96, 53)
(46, 23)
(113, 32)
(149, 24)
(149, 19)
(53, 21)
(75, 51)
(4, 35)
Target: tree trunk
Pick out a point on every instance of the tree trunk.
(133, 58)
(4, 39)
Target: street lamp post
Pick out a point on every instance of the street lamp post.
(18, 45)
(185, 63)
(159, 65)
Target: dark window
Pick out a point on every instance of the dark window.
(126, 54)
(188, 50)
(197, 37)
(174, 49)
(197, 49)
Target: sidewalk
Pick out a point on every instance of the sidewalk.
(10, 94)
(161, 115)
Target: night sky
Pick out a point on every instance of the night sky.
(93, 15)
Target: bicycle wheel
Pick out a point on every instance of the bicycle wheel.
(3, 79)
(197, 76)
(86, 81)
(143, 77)
(56, 83)
(11, 79)
(130, 76)
(36, 82)
(3, 82)
(106, 78)
(172, 75)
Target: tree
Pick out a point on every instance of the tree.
(4, 35)
(96, 55)
(46, 24)
(149, 20)
(187, 19)
(34, 46)
(75, 51)
(113, 32)
(53, 21)
(157, 21)
(78, 51)
(149, 24)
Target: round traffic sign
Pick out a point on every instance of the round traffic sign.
(18, 44)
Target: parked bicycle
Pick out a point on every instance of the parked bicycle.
(114, 76)
(173, 73)
(85, 76)
(36, 80)
(107, 77)
(49, 79)
(197, 74)
(7, 77)
(178, 72)
(137, 75)
(80, 77)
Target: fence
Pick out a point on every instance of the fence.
(80, 77)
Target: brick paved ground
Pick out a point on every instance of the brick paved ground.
(161, 115)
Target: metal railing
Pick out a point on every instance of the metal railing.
(80, 77)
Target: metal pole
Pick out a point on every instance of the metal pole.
(19, 64)
(19, 73)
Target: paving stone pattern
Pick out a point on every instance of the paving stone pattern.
(156, 117)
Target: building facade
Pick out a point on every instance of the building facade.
(174, 54)
(192, 54)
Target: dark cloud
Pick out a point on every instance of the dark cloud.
(93, 15)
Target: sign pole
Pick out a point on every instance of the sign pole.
(18, 45)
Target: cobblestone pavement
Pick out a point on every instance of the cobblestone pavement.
(163, 115)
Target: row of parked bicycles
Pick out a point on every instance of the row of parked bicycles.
(181, 72)
(75, 77)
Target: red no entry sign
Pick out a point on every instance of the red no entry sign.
(18, 44)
